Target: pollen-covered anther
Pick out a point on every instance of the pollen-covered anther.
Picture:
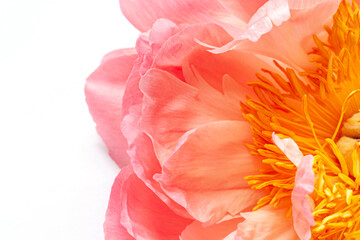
(351, 127)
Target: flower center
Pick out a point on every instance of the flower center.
(319, 110)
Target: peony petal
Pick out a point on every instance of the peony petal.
(213, 206)
(293, 39)
(141, 212)
(185, 11)
(301, 210)
(289, 148)
(265, 224)
(104, 91)
(243, 9)
(191, 176)
(172, 107)
(304, 185)
(112, 226)
(272, 12)
(215, 68)
(206, 151)
(197, 230)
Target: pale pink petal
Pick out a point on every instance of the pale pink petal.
(112, 226)
(205, 174)
(143, 13)
(267, 223)
(301, 210)
(141, 212)
(289, 148)
(104, 91)
(197, 230)
(304, 185)
(273, 12)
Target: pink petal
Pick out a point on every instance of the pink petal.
(197, 230)
(140, 211)
(112, 226)
(146, 165)
(304, 185)
(205, 174)
(301, 210)
(171, 107)
(272, 12)
(185, 11)
(289, 148)
(242, 9)
(217, 69)
(293, 39)
(267, 223)
(104, 91)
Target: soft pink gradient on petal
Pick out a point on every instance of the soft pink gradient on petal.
(304, 185)
(267, 223)
(301, 210)
(104, 90)
(112, 226)
(273, 12)
(172, 107)
(202, 66)
(198, 231)
(205, 173)
(140, 211)
(180, 12)
(242, 9)
(289, 148)
(293, 39)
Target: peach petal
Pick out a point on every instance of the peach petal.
(204, 152)
(104, 90)
(237, 64)
(172, 107)
(191, 175)
(267, 223)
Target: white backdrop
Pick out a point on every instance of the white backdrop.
(55, 174)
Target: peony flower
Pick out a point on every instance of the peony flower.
(233, 120)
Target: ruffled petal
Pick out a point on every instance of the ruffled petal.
(217, 70)
(104, 91)
(289, 148)
(301, 210)
(304, 185)
(172, 107)
(140, 211)
(180, 12)
(267, 223)
(191, 176)
(113, 228)
(292, 38)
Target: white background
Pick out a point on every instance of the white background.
(55, 174)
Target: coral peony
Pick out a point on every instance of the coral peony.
(215, 110)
